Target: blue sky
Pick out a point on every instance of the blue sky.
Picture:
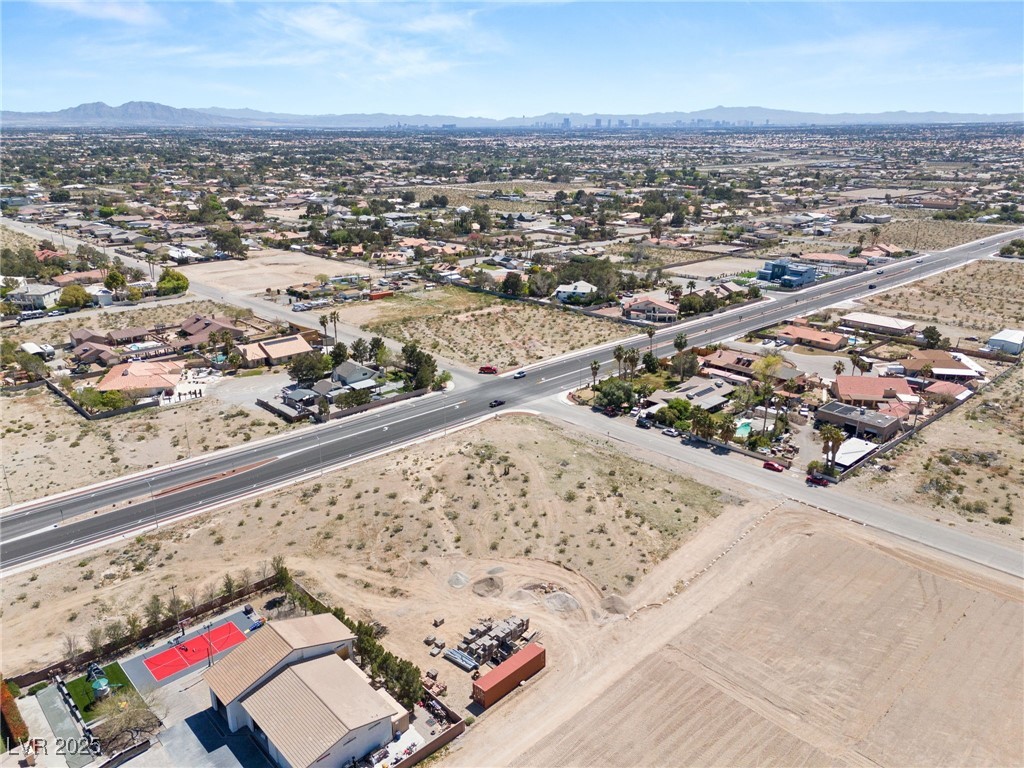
(500, 59)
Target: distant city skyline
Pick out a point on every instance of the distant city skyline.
(497, 60)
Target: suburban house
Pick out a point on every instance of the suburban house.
(196, 330)
(578, 290)
(810, 337)
(1007, 340)
(709, 394)
(877, 323)
(89, 277)
(34, 296)
(942, 390)
(292, 684)
(145, 378)
(870, 390)
(738, 368)
(352, 374)
(859, 420)
(273, 351)
(943, 365)
(650, 310)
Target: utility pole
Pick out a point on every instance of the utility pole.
(174, 604)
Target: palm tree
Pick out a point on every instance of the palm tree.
(727, 428)
(839, 367)
(876, 232)
(679, 342)
(650, 339)
(765, 370)
(832, 437)
(334, 317)
(701, 423)
(690, 285)
(323, 324)
(619, 353)
(595, 368)
(632, 360)
(926, 371)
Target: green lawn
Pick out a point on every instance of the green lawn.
(81, 689)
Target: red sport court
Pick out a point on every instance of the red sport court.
(194, 650)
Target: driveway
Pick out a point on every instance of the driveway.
(201, 742)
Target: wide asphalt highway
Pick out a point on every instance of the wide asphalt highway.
(125, 506)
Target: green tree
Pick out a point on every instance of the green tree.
(74, 296)
(619, 353)
(932, 337)
(60, 196)
(595, 368)
(309, 367)
(839, 367)
(339, 354)
(650, 338)
(115, 281)
(614, 393)
(702, 424)
(171, 282)
(360, 350)
(727, 428)
(512, 285)
(154, 610)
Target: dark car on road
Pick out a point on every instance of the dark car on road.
(817, 480)
(496, 403)
(644, 423)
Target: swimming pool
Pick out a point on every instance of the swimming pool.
(743, 429)
(142, 345)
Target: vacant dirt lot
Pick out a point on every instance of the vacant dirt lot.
(49, 448)
(653, 256)
(727, 265)
(528, 497)
(15, 240)
(268, 268)
(817, 646)
(966, 469)
(477, 328)
(932, 235)
(981, 297)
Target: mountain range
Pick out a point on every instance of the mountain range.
(147, 114)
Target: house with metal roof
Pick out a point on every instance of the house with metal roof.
(292, 684)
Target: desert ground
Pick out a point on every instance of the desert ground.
(49, 448)
(966, 469)
(477, 328)
(931, 235)
(654, 255)
(980, 298)
(684, 626)
(537, 496)
(11, 239)
(269, 269)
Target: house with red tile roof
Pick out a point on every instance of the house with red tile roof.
(872, 390)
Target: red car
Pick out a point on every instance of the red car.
(817, 480)
(487, 369)
(774, 466)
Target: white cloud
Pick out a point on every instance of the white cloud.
(131, 13)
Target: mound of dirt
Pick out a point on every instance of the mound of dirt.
(458, 580)
(561, 602)
(489, 586)
(615, 604)
(496, 570)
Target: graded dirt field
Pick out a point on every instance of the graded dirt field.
(515, 489)
(49, 448)
(966, 469)
(477, 328)
(720, 267)
(15, 240)
(269, 268)
(818, 645)
(981, 298)
(654, 256)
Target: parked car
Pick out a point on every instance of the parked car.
(644, 423)
(817, 480)
(611, 411)
(671, 432)
(55, 313)
(487, 369)
(780, 342)
(766, 342)
(496, 403)
(519, 375)
(774, 466)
